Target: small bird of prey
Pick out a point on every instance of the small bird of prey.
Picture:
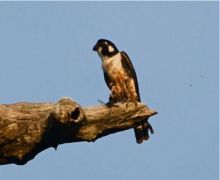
(121, 79)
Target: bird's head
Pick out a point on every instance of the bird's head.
(105, 48)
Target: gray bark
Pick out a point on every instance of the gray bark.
(29, 128)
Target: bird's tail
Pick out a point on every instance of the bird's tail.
(142, 132)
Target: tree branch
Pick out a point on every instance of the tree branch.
(29, 128)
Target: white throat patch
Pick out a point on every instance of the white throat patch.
(112, 64)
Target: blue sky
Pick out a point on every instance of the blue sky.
(46, 53)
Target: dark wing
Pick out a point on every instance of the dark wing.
(141, 131)
(107, 80)
(127, 64)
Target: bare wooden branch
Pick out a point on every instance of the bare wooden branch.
(29, 128)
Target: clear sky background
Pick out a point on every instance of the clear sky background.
(46, 53)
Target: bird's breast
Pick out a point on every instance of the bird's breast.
(112, 65)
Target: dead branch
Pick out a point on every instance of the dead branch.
(29, 128)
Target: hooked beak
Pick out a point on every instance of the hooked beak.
(95, 48)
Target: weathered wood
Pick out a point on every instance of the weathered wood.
(29, 128)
